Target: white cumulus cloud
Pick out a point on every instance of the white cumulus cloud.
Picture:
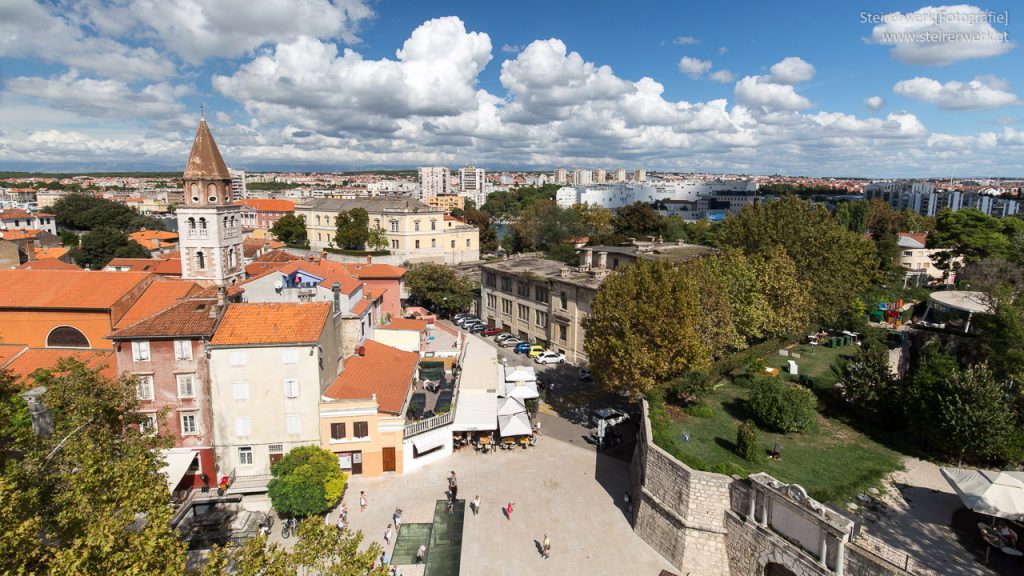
(776, 91)
(939, 35)
(874, 103)
(686, 40)
(694, 67)
(723, 76)
(792, 70)
(982, 92)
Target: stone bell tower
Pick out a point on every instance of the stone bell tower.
(209, 226)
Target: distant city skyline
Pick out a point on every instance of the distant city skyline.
(883, 90)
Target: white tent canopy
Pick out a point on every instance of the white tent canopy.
(514, 425)
(510, 406)
(523, 391)
(520, 374)
(177, 462)
(993, 493)
(477, 410)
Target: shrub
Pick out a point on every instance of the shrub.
(306, 481)
(728, 468)
(746, 441)
(782, 407)
(700, 411)
(688, 388)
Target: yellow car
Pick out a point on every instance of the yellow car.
(535, 351)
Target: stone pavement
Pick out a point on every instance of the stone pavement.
(565, 490)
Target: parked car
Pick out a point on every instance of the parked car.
(467, 322)
(492, 331)
(503, 336)
(585, 375)
(469, 326)
(535, 351)
(462, 321)
(611, 416)
(477, 328)
(523, 347)
(512, 342)
(549, 357)
(460, 315)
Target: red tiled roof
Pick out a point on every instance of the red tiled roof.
(368, 271)
(261, 268)
(269, 205)
(47, 264)
(271, 323)
(921, 237)
(52, 252)
(406, 324)
(189, 317)
(8, 351)
(331, 272)
(14, 214)
(19, 234)
(144, 236)
(158, 296)
(161, 266)
(361, 306)
(276, 256)
(68, 289)
(34, 359)
(384, 371)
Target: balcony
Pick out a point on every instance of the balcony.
(197, 234)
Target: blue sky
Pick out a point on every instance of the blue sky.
(812, 88)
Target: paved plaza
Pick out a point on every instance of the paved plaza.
(564, 490)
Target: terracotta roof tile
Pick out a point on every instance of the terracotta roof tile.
(369, 271)
(156, 266)
(359, 307)
(8, 351)
(385, 371)
(407, 324)
(261, 268)
(15, 214)
(52, 252)
(205, 162)
(271, 323)
(34, 359)
(331, 272)
(47, 264)
(158, 296)
(269, 205)
(277, 256)
(144, 237)
(19, 234)
(67, 289)
(188, 317)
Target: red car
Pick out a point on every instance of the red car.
(492, 331)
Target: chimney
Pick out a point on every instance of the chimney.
(586, 259)
(336, 289)
(222, 297)
(30, 250)
(602, 260)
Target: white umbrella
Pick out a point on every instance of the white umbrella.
(510, 406)
(514, 425)
(524, 391)
(520, 374)
(993, 493)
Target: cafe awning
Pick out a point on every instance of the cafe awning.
(177, 462)
(993, 493)
(520, 374)
(514, 425)
(428, 442)
(476, 410)
(510, 406)
(522, 391)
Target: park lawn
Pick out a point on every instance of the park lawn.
(814, 361)
(832, 461)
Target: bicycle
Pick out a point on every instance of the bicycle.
(289, 527)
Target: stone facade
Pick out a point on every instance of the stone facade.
(715, 525)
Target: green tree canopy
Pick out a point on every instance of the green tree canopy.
(488, 234)
(306, 481)
(970, 235)
(71, 504)
(439, 285)
(501, 205)
(83, 212)
(853, 215)
(353, 229)
(638, 220)
(290, 229)
(836, 264)
(103, 245)
(869, 385)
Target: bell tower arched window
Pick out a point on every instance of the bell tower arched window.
(191, 223)
(200, 261)
(202, 223)
(232, 258)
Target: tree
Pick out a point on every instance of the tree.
(544, 225)
(746, 441)
(781, 406)
(973, 419)
(488, 234)
(306, 481)
(69, 239)
(290, 229)
(72, 504)
(376, 239)
(439, 285)
(82, 212)
(638, 220)
(320, 549)
(869, 385)
(103, 245)
(353, 229)
(595, 221)
(650, 323)
(502, 205)
(971, 236)
(835, 263)
(853, 215)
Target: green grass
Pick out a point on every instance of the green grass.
(814, 361)
(832, 461)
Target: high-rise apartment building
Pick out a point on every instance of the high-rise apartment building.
(238, 190)
(581, 178)
(433, 181)
(472, 179)
(561, 176)
(620, 175)
(640, 175)
(600, 176)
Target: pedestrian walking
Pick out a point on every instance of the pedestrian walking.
(344, 511)
(536, 428)
(508, 511)
(476, 505)
(397, 519)
(387, 535)
(395, 571)
(420, 553)
(451, 507)
(341, 523)
(545, 547)
(383, 558)
(362, 501)
(451, 479)
(455, 491)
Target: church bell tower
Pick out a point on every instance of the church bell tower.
(209, 225)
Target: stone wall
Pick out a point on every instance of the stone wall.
(714, 525)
